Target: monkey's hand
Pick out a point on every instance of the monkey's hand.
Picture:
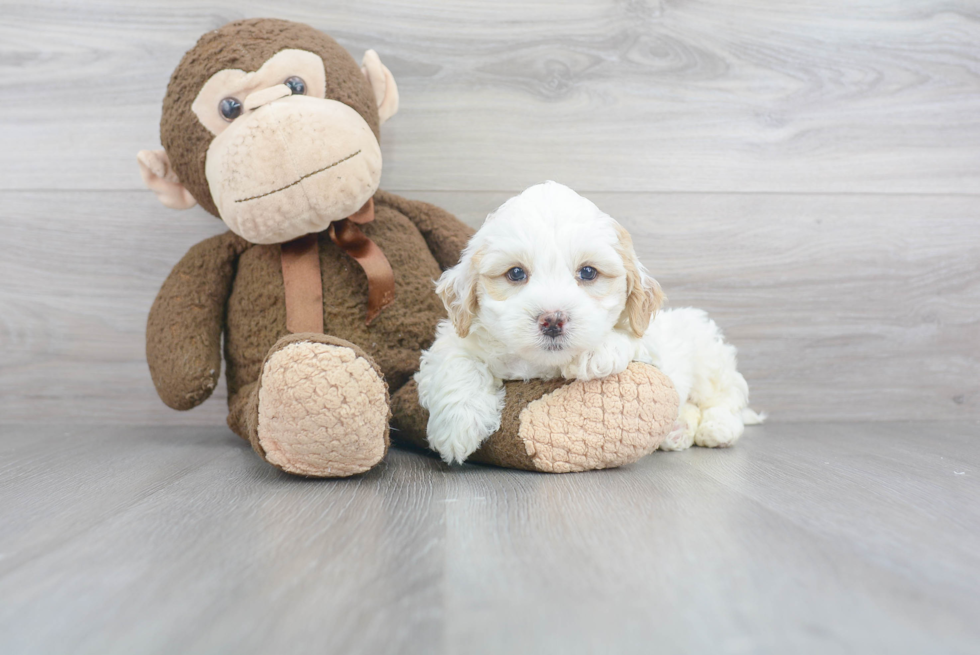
(183, 332)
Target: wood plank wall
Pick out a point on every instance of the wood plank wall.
(808, 172)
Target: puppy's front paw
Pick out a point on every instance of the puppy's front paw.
(456, 443)
(456, 431)
(610, 358)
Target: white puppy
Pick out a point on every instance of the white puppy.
(550, 286)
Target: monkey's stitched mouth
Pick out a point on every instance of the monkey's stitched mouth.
(292, 184)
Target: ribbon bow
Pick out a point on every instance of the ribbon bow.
(302, 279)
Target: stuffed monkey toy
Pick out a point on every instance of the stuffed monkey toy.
(322, 288)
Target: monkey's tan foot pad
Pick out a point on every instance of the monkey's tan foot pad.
(322, 408)
(582, 426)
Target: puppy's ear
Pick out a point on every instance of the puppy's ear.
(643, 294)
(457, 288)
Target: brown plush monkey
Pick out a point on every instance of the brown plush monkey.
(323, 287)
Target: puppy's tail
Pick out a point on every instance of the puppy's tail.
(750, 417)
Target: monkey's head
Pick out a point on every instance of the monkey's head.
(271, 126)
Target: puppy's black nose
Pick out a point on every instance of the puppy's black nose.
(552, 324)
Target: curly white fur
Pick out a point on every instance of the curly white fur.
(551, 233)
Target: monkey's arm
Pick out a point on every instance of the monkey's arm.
(183, 332)
(445, 234)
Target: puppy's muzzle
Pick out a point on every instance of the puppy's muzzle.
(552, 324)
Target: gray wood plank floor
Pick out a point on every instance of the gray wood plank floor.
(806, 538)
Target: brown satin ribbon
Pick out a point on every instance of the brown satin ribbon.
(303, 281)
(350, 238)
(304, 286)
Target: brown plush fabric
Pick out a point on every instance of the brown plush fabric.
(226, 281)
(352, 240)
(445, 235)
(183, 332)
(505, 446)
(256, 305)
(408, 418)
(186, 140)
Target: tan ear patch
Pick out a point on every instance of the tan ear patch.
(643, 294)
(463, 303)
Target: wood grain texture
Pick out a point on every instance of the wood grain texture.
(602, 95)
(804, 538)
(843, 307)
(808, 173)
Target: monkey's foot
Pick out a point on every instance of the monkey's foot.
(322, 408)
(599, 424)
(559, 426)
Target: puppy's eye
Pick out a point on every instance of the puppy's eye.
(230, 108)
(516, 274)
(296, 85)
(588, 273)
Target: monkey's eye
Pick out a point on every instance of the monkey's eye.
(296, 85)
(588, 273)
(230, 108)
(516, 274)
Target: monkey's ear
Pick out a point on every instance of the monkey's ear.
(159, 177)
(382, 83)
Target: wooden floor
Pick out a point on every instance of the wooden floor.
(805, 538)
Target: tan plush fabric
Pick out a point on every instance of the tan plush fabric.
(600, 423)
(183, 331)
(322, 409)
(292, 168)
